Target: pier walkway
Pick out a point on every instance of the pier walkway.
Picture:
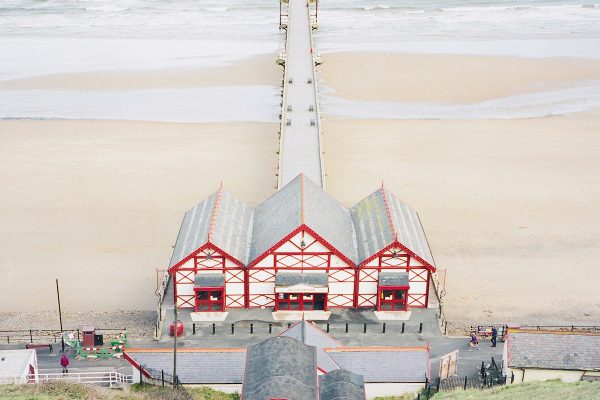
(300, 143)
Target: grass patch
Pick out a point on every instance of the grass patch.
(550, 390)
(58, 390)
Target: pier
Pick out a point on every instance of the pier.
(300, 144)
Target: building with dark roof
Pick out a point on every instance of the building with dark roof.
(302, 363)
(534, 355)
(301, 230)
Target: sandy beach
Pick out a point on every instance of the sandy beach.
(510, 207)
(97, 204)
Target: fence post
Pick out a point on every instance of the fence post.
(465, 385)
(421, 327)
(30, 337)
(251, 329)
(482, 370)
(445, 327)
(194, 328)
(439, 381)
(214, 329)
(328, 327)
(383, 329)
(270, 328)
(78, 333)
(365, 328)
(162, 377)
(232, 328)
(7, 339)
(346, 327)
(505, 379)
(403, 327)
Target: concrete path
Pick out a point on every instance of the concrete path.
(300, 150)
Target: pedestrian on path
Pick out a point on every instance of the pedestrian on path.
(473, 342)
(64, 361)
(494, 336)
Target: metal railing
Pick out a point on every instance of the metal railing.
(46, 336)
(101, 378)
(161, 291)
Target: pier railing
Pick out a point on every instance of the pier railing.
(161, 291)
(47, 336)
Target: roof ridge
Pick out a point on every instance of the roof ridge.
(301, 199)
(388, 212)
(215, 210)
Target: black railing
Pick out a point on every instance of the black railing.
(45, 336)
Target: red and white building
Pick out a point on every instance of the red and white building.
(301, 250)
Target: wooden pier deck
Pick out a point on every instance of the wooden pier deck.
(300, 143)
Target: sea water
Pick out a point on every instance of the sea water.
(42, 37)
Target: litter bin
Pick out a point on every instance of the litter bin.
(88, 335)
(179, 328)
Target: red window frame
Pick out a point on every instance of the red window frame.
(398, 301)
(306, 301)
(217, 305)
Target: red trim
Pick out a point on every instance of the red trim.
(393, 301)
(403, 247)
(205, 246)
(136, 365)
(209, 302)
(214, 215)
(388, 212)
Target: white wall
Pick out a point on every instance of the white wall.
(373, 390)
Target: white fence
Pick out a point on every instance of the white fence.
(101, 378)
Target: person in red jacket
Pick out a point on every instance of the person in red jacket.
(64, 361)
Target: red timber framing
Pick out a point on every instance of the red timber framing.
(303, 250)
(208, 258)
(395, 257)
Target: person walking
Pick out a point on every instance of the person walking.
(473, 342)
(494, 336)
(64, 361)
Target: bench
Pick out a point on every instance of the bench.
(38, 346)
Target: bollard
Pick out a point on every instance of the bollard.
(30, 337)
(421, 327)
(328, 327)
(214, 328)
(232, 328)
(383, 330)
(270, 328)
(162, 377)
(445, 327)
(289, 325)
(465, 385)
(403, 327)
(346, 327)
(364, 328)
(251, 329)
(194, 328)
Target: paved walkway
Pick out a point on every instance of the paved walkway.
(300, 134)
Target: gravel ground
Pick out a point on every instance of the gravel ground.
(139, 324)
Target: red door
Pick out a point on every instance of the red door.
(209, 299)
(301, 301)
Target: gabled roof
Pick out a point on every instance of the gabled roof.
(311, 335)
(302, 202)
(221, 219)
(381, 219)
(384, 364)
(554, 350)
(280, 367)
(341, 385)
(194, 366)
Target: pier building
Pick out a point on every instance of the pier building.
(301, 250)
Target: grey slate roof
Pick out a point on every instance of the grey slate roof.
(198, 367)
(393, 279)
(230, 232)
(280, 367)
(311, 335)
(319, 279)
(376, 229)
(341, 385)
(384, 365)
(554, 351)
(212, 279)
(302, 201)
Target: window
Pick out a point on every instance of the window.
(392, 299)
(209, 300)
(300, 301)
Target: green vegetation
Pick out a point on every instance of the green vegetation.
(550, 390)
(71, 391)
